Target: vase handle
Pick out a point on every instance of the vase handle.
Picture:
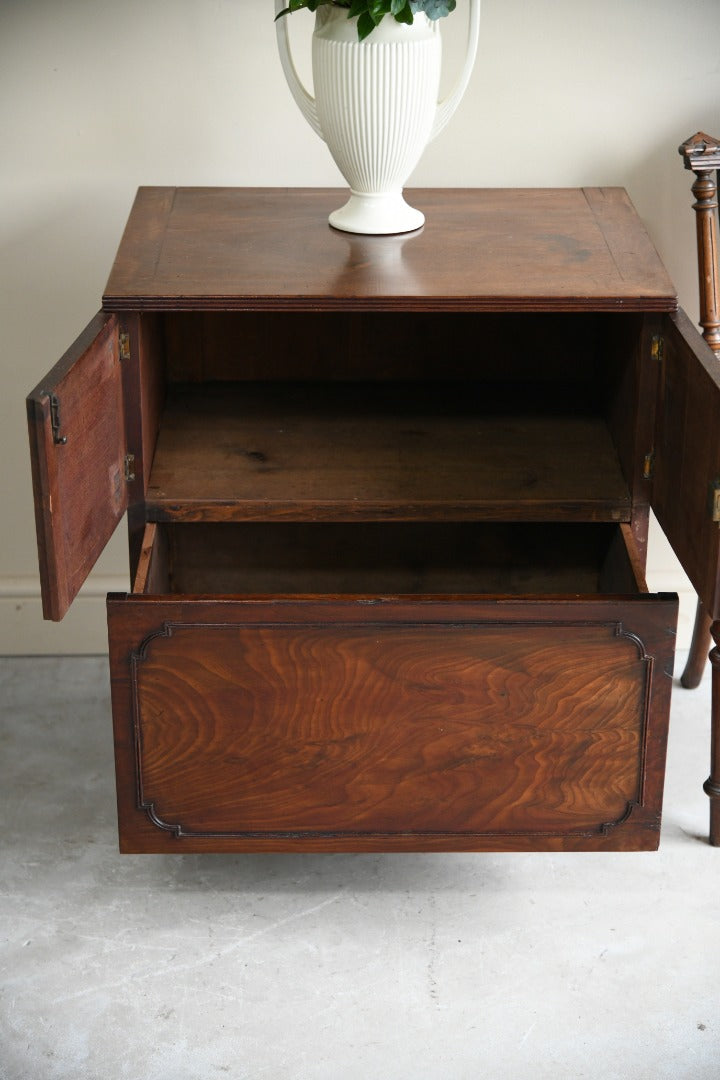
(304, 100)
(447, 107)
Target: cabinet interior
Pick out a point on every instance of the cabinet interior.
(261, 416)
(381, 558)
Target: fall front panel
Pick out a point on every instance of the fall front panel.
(514, 729)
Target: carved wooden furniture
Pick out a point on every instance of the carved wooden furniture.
(701, 154)
(387, 504)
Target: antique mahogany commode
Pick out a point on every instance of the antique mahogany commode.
(388, 503)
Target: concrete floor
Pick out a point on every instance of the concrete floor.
(336, 967)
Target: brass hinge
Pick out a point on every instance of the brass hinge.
(649, 465)
(657, 350)
(124, 341)
(129, 467)
(715, 500)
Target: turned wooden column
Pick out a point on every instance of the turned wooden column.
(712, 784)
(701, 155)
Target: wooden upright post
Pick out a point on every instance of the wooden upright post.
(712, 784)
(701, 155)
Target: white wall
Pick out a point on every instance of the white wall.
(97, 97)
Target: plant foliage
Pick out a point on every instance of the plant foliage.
(370, 13)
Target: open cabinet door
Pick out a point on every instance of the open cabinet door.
(686, 478)
(77, 449)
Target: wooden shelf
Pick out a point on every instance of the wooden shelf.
(373, 452)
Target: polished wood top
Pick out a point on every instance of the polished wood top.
(480, 250)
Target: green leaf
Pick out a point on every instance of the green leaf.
(297, 5)
(370, 13)
(313, 5)
(366, 25)
(404, 15)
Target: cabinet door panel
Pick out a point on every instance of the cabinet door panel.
(77, 449)
(687, 455)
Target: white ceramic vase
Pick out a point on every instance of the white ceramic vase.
(376, 106)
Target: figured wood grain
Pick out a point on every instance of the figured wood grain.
(412, 729)
(327, 725)
(272, 249)
(480, 724)
(334, 452)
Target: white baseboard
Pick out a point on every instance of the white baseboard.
(83, 631)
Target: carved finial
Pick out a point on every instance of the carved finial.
(700, 152)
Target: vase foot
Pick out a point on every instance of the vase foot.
(376, 215)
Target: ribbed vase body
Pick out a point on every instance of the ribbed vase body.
(376, 106)
(376, 103)
(376, 99)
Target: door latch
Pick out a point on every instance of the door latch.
(57, 438)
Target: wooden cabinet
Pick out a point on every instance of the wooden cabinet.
(387, 502)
